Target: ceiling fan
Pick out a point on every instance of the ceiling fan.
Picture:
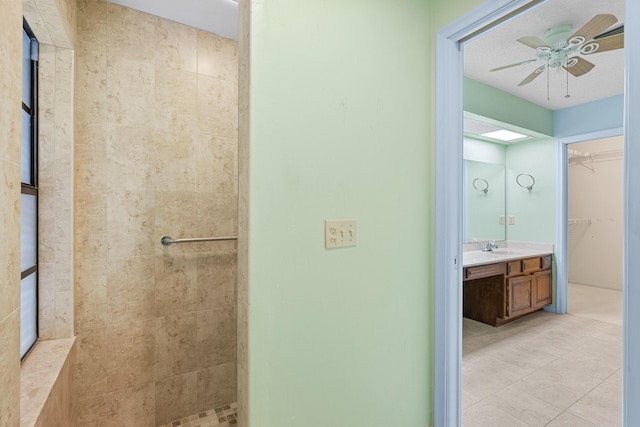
(561, 48)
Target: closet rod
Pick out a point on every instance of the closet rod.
(587, 155)
(579, 221)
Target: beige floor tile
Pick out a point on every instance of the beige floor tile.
(483, 383)
(560, 371)
(531, 370)
(595, 303)
(600, 408)
(526, 358)
(469, 399)
(491, 366)
(569, 420)
(483, 415)
(595, 364)
(523, 406)
(547, 391)
(608, 347)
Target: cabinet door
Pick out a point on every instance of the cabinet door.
(542, 288)
(520, 295)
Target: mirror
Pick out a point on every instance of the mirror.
(485, 201)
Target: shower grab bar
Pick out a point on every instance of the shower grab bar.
(167, 240)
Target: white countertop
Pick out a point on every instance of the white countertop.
(471, 258)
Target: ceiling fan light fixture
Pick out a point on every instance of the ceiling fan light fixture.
(505, 135)
(558, 35)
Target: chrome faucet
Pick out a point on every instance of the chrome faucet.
(489, 246)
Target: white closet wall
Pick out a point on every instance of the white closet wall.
(595, 204)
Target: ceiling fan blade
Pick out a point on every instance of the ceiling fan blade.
(531, 77)
(532, 42)
(504, 67)
(607, 43)
(595, 26)
(612, 32)
(582, 67)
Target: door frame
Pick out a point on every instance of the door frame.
(448, 208)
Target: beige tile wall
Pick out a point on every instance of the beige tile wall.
(55, 191)
(10, 106)
(58, 410)
(47, 384)
(244, 78)
(156, 154)
(55, 21)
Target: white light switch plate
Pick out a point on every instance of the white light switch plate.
(339, 233)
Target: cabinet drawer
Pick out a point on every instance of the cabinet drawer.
(530, 265)
(545, 262)
(480, 271)
(514, 268)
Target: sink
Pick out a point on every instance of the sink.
(480, 257)
(511, 252)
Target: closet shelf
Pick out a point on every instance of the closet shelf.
(579, 221)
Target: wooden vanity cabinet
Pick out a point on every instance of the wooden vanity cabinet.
(542, 287)
(520, 293)
(500, 292)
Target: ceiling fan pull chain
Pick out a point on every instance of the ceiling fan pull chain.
(548, 66)
(567, 95)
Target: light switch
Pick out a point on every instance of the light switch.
(501, 220)
(339, 233)
(512, 220)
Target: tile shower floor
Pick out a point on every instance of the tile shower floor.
(542, 370)
(224, 416)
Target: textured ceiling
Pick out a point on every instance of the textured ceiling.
(215, 16)
(500, 47)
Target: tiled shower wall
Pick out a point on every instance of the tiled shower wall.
(10, 98)
(155, 154)
(55, 180)
(244, 80)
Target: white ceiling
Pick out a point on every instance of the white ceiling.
(500, 47)
(215, 16)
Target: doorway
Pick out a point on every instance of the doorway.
(449, 64)
(594, 229)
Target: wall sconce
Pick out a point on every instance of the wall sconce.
(525, 182)
(481, 185)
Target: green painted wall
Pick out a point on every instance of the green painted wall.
(535, 210)
(495, 104)
(342, 106)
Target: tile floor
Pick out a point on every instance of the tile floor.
(542, 370)
(224, 416)
(595, 303)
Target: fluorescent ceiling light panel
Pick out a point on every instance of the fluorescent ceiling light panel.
(504, 135)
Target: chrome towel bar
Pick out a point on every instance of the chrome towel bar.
(167, 240)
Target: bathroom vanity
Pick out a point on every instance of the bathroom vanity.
(505, 284)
